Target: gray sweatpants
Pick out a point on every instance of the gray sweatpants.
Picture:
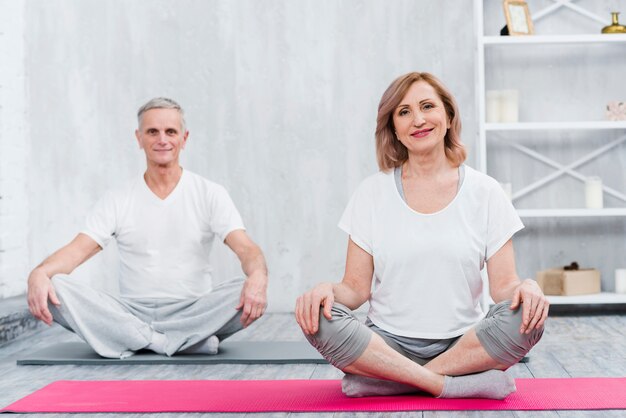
(344, 338)
(116, 327)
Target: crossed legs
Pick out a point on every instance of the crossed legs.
(377, 367)
(116, 327)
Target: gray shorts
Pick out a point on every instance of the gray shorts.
(343, 339)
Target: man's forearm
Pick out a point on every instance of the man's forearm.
(253, 262)
(67, 258)
(54, 264)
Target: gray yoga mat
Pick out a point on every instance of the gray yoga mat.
(234, 352)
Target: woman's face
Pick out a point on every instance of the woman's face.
(420, 119)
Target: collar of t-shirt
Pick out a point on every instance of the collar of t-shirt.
(397, 173)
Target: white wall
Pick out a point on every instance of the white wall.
(14, 146)
(280, 96)
(281, 100)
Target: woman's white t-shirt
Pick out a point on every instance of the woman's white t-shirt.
(164, 245)
(427, 281)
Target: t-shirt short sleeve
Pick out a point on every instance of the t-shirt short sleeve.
(224, 216)
(503, 221)
(356, 220)
(101, 222)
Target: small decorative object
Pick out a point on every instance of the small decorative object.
(614, 27)
(493, 106)
(616, 111)
(569, 280)
(509, 110)
(620, 281)
(593, 193)
(502, 106)
(518, 21)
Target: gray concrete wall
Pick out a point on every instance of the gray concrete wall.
(281, 100)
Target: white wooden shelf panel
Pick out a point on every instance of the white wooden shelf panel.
(596, 298)
(570, 213)
(554, 39)
(544, 126)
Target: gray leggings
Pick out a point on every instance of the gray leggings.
(344, 338)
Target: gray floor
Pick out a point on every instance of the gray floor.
(571, 347)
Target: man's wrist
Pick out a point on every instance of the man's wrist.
(39, 271)
(258, 273)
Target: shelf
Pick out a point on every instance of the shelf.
(599, 298)
(555, 39)
(570, 213)
(596, 304)
(604, 303)
(543, 126)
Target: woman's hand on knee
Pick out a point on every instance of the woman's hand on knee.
(535, 305)
(308, 307)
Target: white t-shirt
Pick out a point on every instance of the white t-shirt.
(164, 245)
(427, 281)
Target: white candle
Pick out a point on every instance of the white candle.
(493, 106)
(620, 281)
(593, 193)
(508, 190)
(509, 109)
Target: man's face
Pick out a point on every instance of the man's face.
(161, 137)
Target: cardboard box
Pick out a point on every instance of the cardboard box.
(560, 282)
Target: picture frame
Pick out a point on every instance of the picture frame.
(518, 20)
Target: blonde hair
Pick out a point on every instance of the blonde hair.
(390, 152)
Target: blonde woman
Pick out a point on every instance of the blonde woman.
(423, 228)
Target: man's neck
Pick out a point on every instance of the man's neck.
(163, 180)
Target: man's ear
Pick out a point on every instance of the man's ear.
(185, 139)
(138, 139)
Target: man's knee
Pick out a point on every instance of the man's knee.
(499, 333)
(60, 284)
(342, 339)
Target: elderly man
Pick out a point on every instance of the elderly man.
(164, 223)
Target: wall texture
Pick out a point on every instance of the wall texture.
(281, 100)
(14, 147)
(280, 96)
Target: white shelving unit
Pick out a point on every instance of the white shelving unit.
(554, 39)
(485, 129)
(597, 298)
(547, 126)
(593, 128)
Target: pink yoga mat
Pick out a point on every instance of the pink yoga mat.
(303, 396)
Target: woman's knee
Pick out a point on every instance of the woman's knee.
(342, 339)
(499, 334)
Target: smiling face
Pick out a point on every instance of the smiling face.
(161, 136)
(420, 120)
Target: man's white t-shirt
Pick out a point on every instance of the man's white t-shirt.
(164, 245)
(427, 281)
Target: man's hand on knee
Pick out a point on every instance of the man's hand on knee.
(40, 289)
(253, 300)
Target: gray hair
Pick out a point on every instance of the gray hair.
(162, 103)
